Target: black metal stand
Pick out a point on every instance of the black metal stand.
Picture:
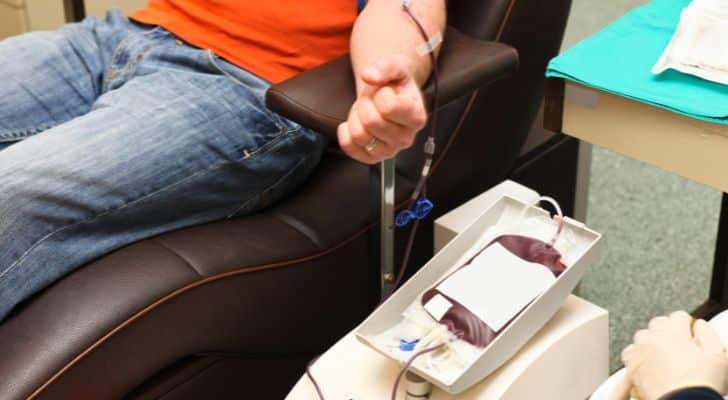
(373, 238)
(75, 10)
(718, 300)
(381, 241)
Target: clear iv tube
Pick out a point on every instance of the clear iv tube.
(559, 213)
(429, 150)
(408, 364)
(309, 374)
(420, 188)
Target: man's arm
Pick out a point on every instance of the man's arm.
(389, 73)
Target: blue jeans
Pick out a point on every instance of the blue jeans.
(112, 132)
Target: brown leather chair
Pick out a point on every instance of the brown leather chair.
(234, 309)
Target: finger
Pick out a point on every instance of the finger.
(633, 356)
(350, 148)
(706, 337)
(387, 70)
(358, 134)
(392, 133)
(628, 353)
(382, 151)
(659, 323)
(362, 138)
(681, 324)
(623, 388)
(641, 337)
(402, 109)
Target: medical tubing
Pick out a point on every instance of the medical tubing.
(559, 213)
(407, 253)
(420, 188)
(429, 148)
(313, 380)
(429, 151)
(408, 364)
(405, 259)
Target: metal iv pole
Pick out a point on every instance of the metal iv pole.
(386, 225)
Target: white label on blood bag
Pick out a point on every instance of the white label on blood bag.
(497, 285)
(438, 306)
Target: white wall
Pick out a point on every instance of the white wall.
(99, 7)
(17, 16)
(12, 18)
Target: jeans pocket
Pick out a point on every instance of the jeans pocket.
(256, 85)
(245, 95)
(278, 190)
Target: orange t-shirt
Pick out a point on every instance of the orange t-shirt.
(274, 39)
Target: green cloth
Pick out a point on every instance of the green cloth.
(619, 59)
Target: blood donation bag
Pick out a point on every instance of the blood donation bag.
(478, 300)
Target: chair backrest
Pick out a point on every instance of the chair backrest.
(481, 19)
(489, 128)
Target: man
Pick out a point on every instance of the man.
(676, 358)
(115, 130)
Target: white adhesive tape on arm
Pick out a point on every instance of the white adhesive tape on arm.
(430, 46)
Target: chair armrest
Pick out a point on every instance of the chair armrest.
(321, 98)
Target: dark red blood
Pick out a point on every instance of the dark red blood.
(469, 327)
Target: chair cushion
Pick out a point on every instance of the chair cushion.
(219, 277)
(465, 64)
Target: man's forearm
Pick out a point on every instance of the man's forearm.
(384, 28)
(390, 109)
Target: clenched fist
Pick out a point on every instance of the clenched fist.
(387, 114)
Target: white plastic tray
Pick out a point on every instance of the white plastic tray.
(585, 250)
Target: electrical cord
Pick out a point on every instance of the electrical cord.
(410, 214)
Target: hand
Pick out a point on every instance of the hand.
(674, 353)
(390, 108)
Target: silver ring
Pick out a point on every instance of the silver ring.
(371, 145)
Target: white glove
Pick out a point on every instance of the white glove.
(672, 354)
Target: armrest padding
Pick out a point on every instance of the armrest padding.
(320, 98)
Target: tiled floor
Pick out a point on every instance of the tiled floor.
(660, 229)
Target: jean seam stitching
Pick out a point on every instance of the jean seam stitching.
(22, 133)
(122, 207)
(128, 70)
(119, 48)
(109, 211)
(272, 186)
(275, 118)
(271, 144)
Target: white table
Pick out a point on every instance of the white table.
(682, 145)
